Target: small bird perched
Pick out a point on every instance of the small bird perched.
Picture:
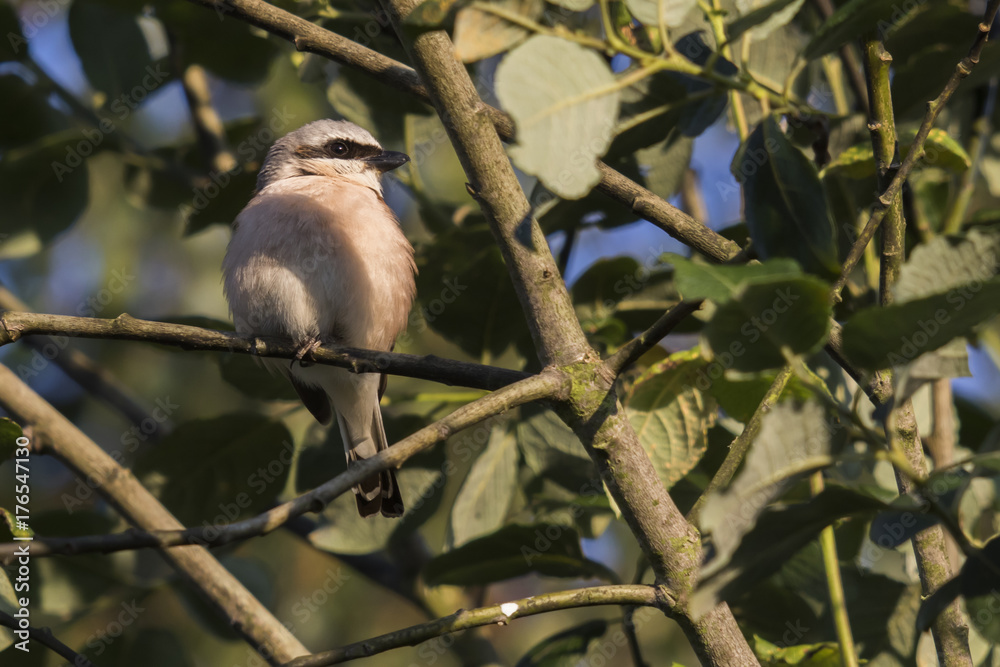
(318, 256)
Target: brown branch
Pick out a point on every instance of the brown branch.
(630, 352)
(593, 410)
(14, 326)
(120, 488)
(934, 107)
(311, 38)
(549, 384)
(45, 637)
(498, 614)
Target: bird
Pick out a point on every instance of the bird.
(318, 256)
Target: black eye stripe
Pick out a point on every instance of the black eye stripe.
(355, 151)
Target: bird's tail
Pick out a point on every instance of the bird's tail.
(380, 492)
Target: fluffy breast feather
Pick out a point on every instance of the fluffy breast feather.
(316, 256)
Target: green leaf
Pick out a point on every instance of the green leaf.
(697, 117)
(761, 19)
(671, 416)
(824, 654)
(897, 334)
(672, 12)
(849, 22)
(117, 67)
(564, 101)
(784, 201)
(344, 531)
(39, 191)
(940, 151)
(220, 469)
(432, 13)
(513, 551)
(486, 493)
(11, 527)
(980, 586)
(566, 648)
(575, 5)
(793, 440)
(10, 431)
(480, 34)
(720, 283)
(777, 534)
(766, 319)
(247, 374)
(666, 163)
(946, 263)
(227, 47)
(551, 449)
(740, 395)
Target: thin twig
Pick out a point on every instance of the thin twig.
(962, 70)
(14, 325)
(739, 447)
(207, 124)
(851, 63)
(498, 614)
(981, 130)
(549, 384)
(45, 637)
(630, 352)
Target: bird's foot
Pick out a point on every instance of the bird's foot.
(305, 350)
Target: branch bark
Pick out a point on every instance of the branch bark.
(498, 614)
(550, 384)
(14, 326)
(120, 488)
(672, 544)
(45, 637)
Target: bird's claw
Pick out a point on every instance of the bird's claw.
(306, 349)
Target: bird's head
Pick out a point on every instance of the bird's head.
(328, 148)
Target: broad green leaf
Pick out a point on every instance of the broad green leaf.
(564, 101)
(344, 531)
(575, 5)
(513, 551)
(824, 654)
(777, 534)
(247, 374)
(10, 431)
(785, 205)
(121, 68)
(44, 186)
(666, 163)
(697, 117)
(606, 282)
(652, 12)
(849, 22)
(793, 440)
(486, 493)
(551, 449)
(761, 18)
(14, 525)
(432, 13)
(897, 334)
(479, 34)
(224, 45)
(720, 283)
(947, 263)
(149, 647)
(766, 320)
(565, 649)
(220, 469)
(740, 395)
(940, 151)
(671, 416)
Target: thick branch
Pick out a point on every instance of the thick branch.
(548, 385)
(124, 327)
(593, 410)
(120, 488)
(311, 38)
(499, 614)
(962, 70)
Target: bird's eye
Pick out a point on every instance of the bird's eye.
(339, 148)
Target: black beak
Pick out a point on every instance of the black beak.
(388, 160)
